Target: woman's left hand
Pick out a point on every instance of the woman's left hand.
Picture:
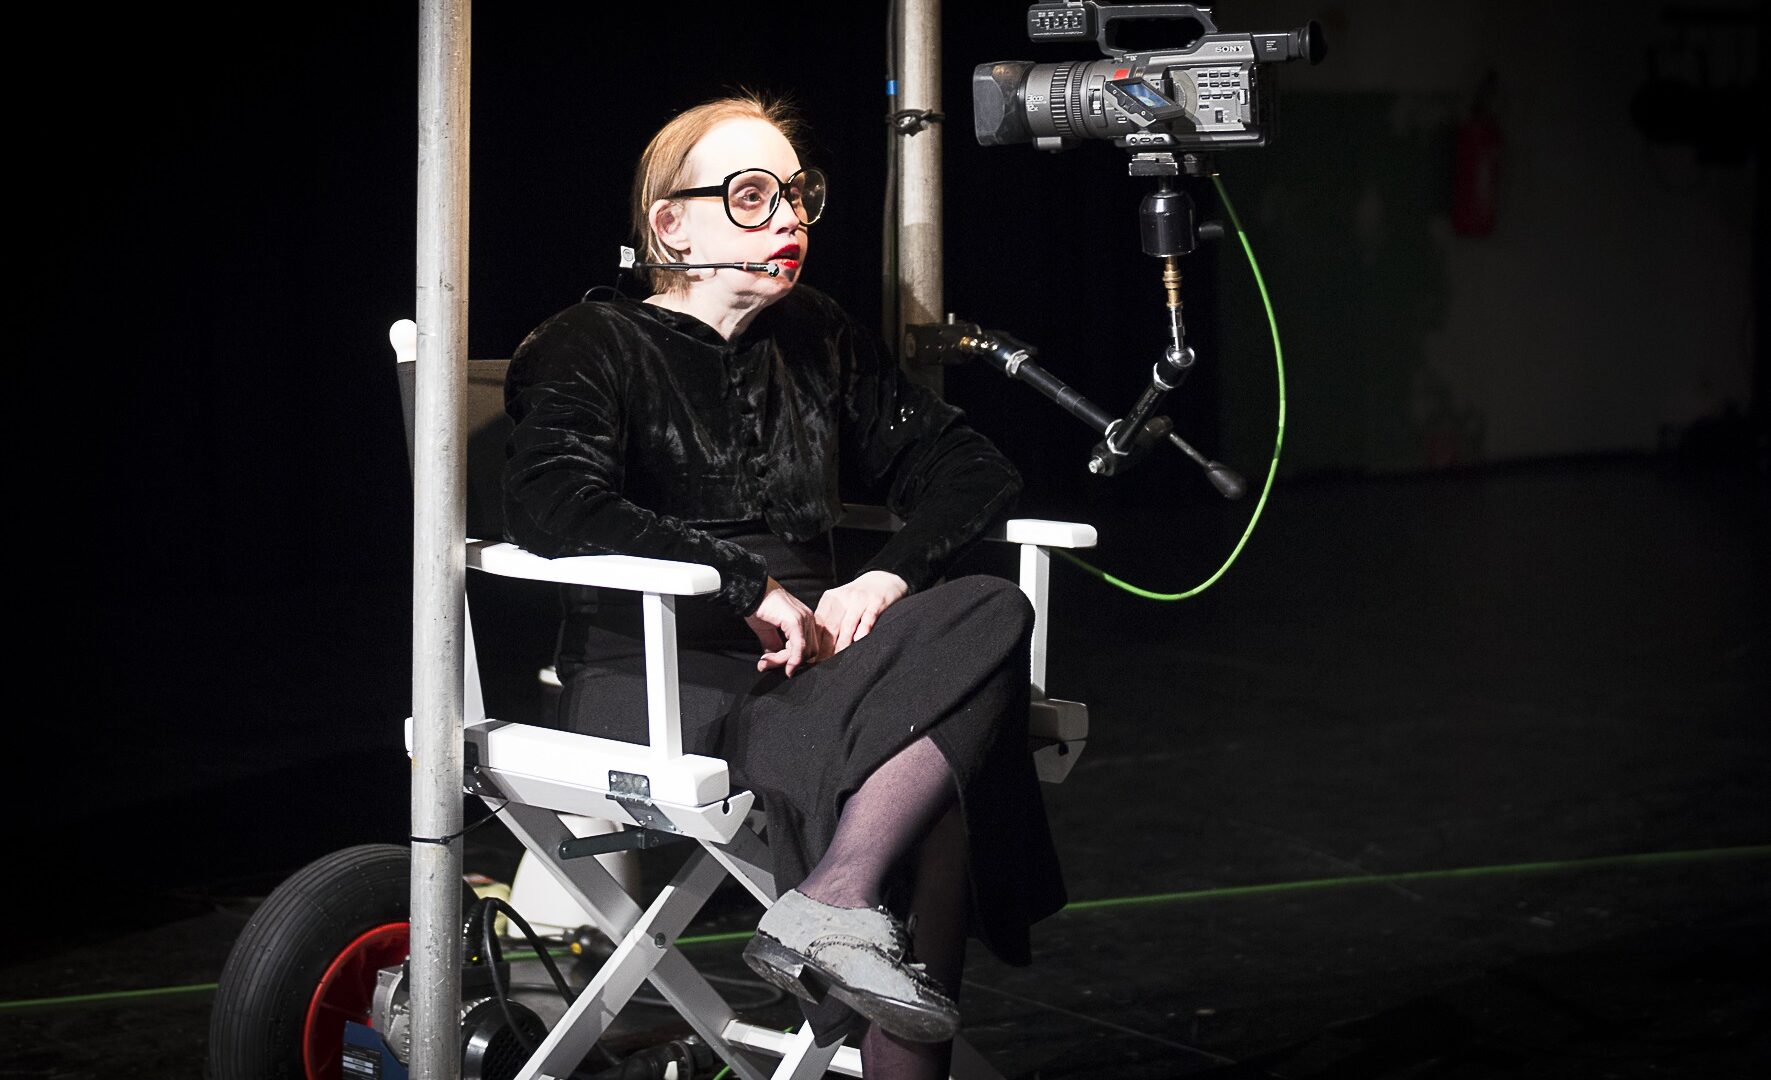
(846, 614)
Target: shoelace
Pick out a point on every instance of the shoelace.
(901, 939)
(900, 935)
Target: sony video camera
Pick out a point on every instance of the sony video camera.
(1203, 93)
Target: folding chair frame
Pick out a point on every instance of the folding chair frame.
(531, 775)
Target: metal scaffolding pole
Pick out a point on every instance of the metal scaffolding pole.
(921, 288)
(439, 569)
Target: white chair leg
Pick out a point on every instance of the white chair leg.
(798, 1054)
(805, 1059)
(638, 952)
(746, 856)
(616, 915)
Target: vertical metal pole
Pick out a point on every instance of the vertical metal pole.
(439, 568)
(921, 288)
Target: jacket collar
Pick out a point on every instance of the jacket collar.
(689, 326)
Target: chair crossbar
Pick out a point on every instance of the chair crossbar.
(617, 917)
(801, 1057)
(636, 955)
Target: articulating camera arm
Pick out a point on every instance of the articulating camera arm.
(955, 342)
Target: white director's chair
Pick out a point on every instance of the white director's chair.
(543, 780)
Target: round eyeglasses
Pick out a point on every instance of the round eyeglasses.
(751, 195)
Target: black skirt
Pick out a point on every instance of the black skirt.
(950, 662)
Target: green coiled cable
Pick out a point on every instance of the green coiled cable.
(1278, 437)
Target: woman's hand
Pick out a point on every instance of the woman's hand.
(786, 628)
(846, 614)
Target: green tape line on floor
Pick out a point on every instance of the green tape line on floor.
(1606, 862)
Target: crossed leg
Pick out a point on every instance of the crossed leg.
(908, 801)
(938, 906)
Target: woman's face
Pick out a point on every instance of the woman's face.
(706, 234)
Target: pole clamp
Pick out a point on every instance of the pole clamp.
(914, 121)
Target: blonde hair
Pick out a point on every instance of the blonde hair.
(664, 166)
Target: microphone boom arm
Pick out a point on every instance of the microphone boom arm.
(629, 262)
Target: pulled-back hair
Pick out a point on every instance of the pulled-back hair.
(664, 166)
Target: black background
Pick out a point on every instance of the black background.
(219, 221)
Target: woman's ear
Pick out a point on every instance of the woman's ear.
(671, 226)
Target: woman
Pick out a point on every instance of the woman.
(883, 726)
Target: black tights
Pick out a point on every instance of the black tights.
(907, 801)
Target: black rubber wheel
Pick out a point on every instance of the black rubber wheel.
(306, 962)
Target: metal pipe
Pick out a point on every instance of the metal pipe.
(921, 288)
(439, 567)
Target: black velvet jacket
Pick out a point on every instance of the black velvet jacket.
(636, 424)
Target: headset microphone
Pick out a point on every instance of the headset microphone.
(628, 263)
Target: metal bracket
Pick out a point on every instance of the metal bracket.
(634, 792)
(1154, 164)
(627, 785)
(474, 780)
(626, 840)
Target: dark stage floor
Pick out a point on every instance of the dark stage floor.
(1452, 777)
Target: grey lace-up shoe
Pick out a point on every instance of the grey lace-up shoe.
(856, 955)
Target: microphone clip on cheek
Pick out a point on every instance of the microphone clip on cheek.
(629, 262)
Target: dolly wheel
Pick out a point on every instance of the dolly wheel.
(306, 963)
(346, 992)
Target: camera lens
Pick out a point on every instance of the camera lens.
(998, 116)
(1017, 101)
(1072, 97)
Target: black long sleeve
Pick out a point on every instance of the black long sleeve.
(635, 425)
(945, 480)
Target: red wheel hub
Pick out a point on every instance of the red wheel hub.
(346, 992)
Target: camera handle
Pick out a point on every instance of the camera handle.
(1169, 227)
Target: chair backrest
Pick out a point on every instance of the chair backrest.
(488, 429)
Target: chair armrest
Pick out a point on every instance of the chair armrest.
(1051, 534)
(606, 571)
(1035, 535)
(1058, 534)
(660, 580)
